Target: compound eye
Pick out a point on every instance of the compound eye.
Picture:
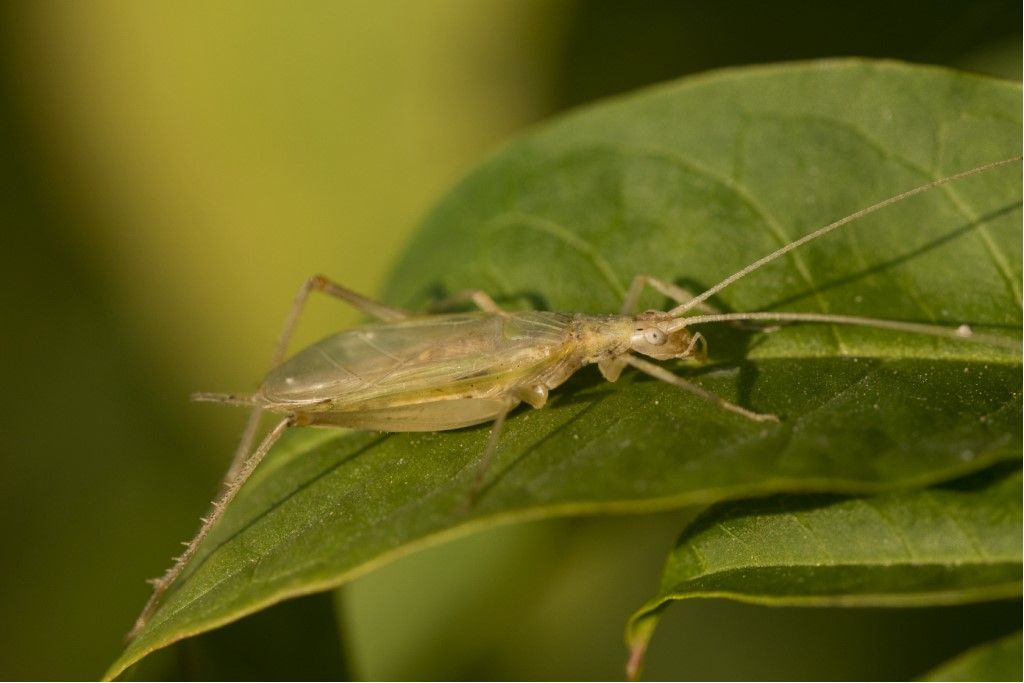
(654, 336)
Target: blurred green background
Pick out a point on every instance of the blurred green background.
(171, 172)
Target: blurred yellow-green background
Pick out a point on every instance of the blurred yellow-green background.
(172, 171)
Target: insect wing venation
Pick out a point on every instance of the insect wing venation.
(421, 359)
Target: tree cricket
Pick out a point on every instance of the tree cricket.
(434, 372)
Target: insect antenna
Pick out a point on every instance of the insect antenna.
(821, 232)
(961, 332)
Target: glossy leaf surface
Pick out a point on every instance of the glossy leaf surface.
(936, 546)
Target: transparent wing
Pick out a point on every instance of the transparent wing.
(421, 359)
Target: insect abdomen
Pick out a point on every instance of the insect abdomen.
(419, 417)
(441, 358)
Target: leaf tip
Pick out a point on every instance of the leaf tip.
(638, 638)
(635, 664)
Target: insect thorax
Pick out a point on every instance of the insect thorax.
(600, 337)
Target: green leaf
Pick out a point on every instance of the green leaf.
(999, 660)
(688, 182)
(931, 547)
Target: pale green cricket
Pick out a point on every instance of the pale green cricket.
(412, 372)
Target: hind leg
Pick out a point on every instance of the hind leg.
(317, 283)
(220, 503)
(245, 459)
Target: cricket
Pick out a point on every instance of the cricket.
(408, 372)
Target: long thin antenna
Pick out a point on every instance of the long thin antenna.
(820, 232)
(964, 332)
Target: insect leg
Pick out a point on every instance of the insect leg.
(320, 283)
(488, 456)
(658, 372)
(680, 296)
(374, 309)
(227, 493)
(317, 283)
(697, 348)
(480, 299)
(536, 395)
(674, 292)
